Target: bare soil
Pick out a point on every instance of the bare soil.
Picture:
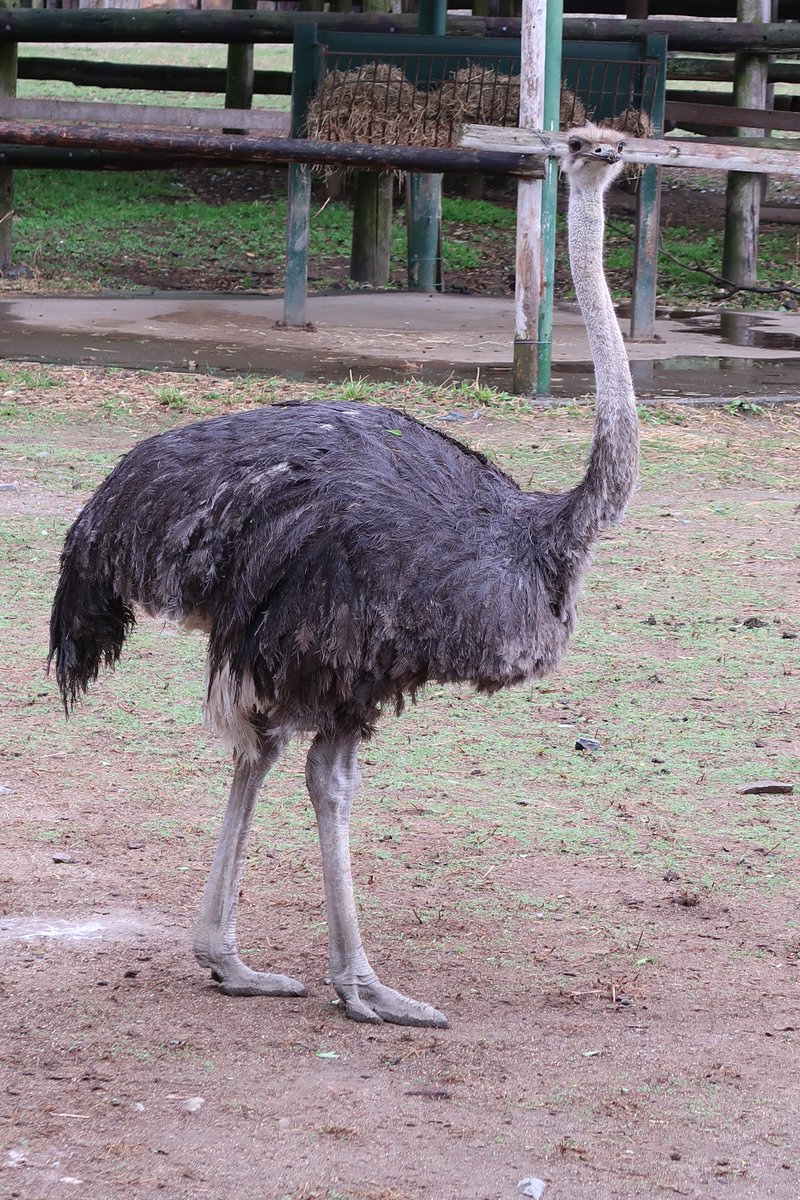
(632, 1033)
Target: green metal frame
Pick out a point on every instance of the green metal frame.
(309, 44)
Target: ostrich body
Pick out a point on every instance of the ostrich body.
(340, 557)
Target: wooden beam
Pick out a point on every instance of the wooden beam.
(665, 152)
(147, 76)
(264, 120)
(236, 148)
(181, 25)
(726, 116)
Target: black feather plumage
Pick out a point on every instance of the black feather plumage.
(341, 556)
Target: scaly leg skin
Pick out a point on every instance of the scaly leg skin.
(215, 931)
(332, 777)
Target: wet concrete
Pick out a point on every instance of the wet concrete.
(86, 929)
(392, 336)
(89, 929)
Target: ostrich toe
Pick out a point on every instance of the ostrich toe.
(374, 1003)
(235, 979)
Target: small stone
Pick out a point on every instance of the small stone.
(192, 1105)
(766, 787)
(63, 856)
(134, 845)
(9, 487)
(137, 1106)
(754, 623)
(531, 1186)
(789, 634)
(587, 743)
(670, 876)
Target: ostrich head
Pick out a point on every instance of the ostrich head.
(594, 156)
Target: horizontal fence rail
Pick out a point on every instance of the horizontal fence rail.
(124, 25)
(662, 152)
(231, 148)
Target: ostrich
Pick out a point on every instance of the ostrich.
(339, 557)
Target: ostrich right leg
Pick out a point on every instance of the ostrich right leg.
(215, 931)
(332, 777)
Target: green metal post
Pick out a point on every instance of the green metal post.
(552, 106)
(648, 215)
(424, 194)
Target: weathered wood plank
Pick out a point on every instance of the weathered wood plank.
(665, 152)
(727, 116)
(159, 115)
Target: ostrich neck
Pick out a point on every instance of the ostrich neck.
(611, 472)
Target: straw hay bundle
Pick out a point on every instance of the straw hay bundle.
(633, 121)
(376, 103)
(372, 104)
(572, 110)
(636, 123)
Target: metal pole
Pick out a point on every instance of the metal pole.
(424, 192)
(552, 108)
(529, 204)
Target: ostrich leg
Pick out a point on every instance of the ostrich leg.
(215, 931)
(332, 777)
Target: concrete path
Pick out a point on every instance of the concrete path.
(390, 335)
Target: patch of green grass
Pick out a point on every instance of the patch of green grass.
(266, 58)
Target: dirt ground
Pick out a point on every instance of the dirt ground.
(613, 936)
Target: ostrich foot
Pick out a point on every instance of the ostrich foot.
(373, 1002)
(235, 979)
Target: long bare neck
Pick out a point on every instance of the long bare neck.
(601, 496)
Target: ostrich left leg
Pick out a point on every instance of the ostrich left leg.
(215, 931)
(332, 777)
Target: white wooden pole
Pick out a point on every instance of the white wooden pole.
(529, 202)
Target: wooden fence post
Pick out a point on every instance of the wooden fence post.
(239, 77)
(372, 228)
(743, 195)
(8, 87)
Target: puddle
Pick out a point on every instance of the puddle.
(31, 929)
(746, 329)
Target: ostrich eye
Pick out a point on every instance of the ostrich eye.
(575, 144)
(620, 147)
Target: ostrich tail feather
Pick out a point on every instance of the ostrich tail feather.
(88, 626)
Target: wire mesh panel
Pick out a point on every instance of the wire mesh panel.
(413, 98)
